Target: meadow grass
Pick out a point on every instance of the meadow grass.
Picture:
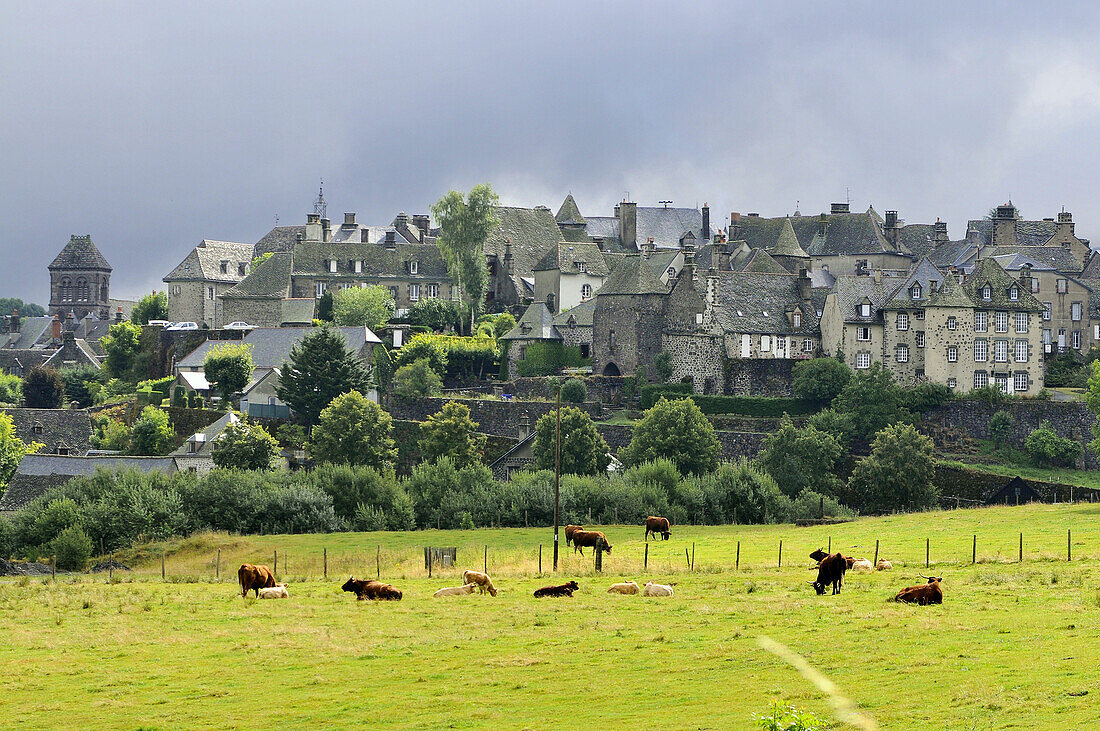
(1012, 646)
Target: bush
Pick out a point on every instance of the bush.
(674, 430)
(649, 395)
(574, 391)
(801, 459)
(43, 388)
(809, 505)
(72, 548)
(1046, 448)
(437, 314)
(927, 396)
(820, 379)
(152, 434)
(744, 494)
(988, 394)
(662, 366)
(545, 358)
(898, 474)
(417, 380)
(11, 389)
(1001, 425)
(1066, 371)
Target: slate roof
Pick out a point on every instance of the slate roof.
(759, 303)
(71, 428)
(569, 213)
(269, 280)
(1028, 233)
(761, 262)
(80, 253)
(664, 225)
(1016, 262)
(845, 233)
(271, 346)
(204, 262)
(989, 271)
(787, 244)
(959, 254)
(851, 292)
(564, 258)
(581, 315)
(633, 276)
(1058, 257)
(206, 437)
(310, 259)
(37, 473)
(531, 231)
(951, 294)
(31, 329)
(660, 260)
(536, 323)
(280, 238)
(927, 276)
(919, 239)
(17, 362)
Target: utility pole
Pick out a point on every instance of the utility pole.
(557, 475)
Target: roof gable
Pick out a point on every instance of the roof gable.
(569, 214)
(80, 253)
(632, 277)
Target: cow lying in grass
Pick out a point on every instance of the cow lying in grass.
(591, 539)
(464, 590)
(652, 589)
(922, 594)
(862, 564)
(626, 587)
(561, 590)
(482, 580)
(371, 589)
(274, 592)
(883, 565)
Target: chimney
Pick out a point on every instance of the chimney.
(839, 208)
(804, 285)
(1025, 278)
(391, 240)
(55, 327)
(723, 253)
(647, 248)
(70, 321)
(422, 222)
(878, 276)
(891, 219)
(891, 231)
(706, 221)
(326, 230)
(508, 255)
(364, 235)
(735, 226)
(711, 297)
(688, 272)
(940, 231)
(1065, 227)
(822, 224)
(628, 224)
(314, 229)
(524, 427)
(118, 314)
(1004, 225)
(349, 220)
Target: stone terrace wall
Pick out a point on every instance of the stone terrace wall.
(972, 485)
(501, 418)
(698, 356)
(601, 389)
(759, 377)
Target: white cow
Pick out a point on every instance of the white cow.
(884, 565)
(465, 589)
(626, 587)
(275, 592)
(863, 564)
(652, 589)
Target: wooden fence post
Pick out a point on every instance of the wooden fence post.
(429, 562)
(926, 551)
(485, 565)
(645, 559)
(687, 558)
(1021, 548)
(162, 565)
(1069, 545)
(218, 565)
(53, 568)
(275, 569)
(693, 555)
(378, 562)
(780, 553)
(326, 562)
(111, 568)
(540, 558)
(876, 552)
(599, 556)
(737, 561)
(974, 550)
(830, 548)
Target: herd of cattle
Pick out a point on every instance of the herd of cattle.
(830, 567)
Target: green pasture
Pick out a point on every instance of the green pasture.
(1013, 646)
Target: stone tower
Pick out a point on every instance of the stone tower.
(80, 280)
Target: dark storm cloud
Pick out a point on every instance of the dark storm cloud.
(152, 126)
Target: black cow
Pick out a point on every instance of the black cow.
(830, 571)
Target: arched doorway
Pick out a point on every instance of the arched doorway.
(611, 370)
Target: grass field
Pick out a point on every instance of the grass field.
(1014, 645)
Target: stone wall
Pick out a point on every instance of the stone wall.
(960, 487)
(502, 418)
(763, 377)
(699, 356)
(601, 389)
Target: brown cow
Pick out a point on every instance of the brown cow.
(562, 590)
(254, 578)
(818, 555)
(570, 530)
(830, 571)
(371, 589)
(590, 538)
(922, 594)
(657, 525)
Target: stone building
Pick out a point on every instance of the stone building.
(196, 284)
(80, 280)
(629, 319)
(569, 274)
(522, 238)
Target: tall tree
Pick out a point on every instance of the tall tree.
(583, 450)
(8, 306)
(152, 434)
(371, 306)
(245, 446)
(464, 227)
(153, 306)
(451, 432)
(898, 474)
(122, 344)
(676, 430)
(873, 400)
(354, 430)
(228, 367)
(820, 379)
(801, 459)
(43, 388)
(320, 369)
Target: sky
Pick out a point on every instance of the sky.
(154, 125)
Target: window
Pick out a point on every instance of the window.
(903, 321)
(1019, 381)
(987, 293)
(952, 323)
(981, 350)
(550, 299)
(807, 346)
(584, 350)
(1000, 321)
(1075, 312)
(1046, 310)
(1076, 339)
(225, 267)
(1061, 338)
(433, 290)
(865, 310)
(82, 290)
(863, 360)
(903, 354)
(863, 333)
(321, 289)
(1021, 322)
(332, 266)
(1035, 284)
(765, 343)
(952, 354)
(358, 266)
(914, 291)
(37, 428)
(393, 293)
(582, 266)
(611, 340)
(920, 338)
(920, 374)
(952, 383)
(797, 319)
(1062, 286)
(1021, 351)
(1014, 293)
(1000, 351)
(242, 269)
(1001, 381)
(586, 291)
(981, 321)
(1048, 336)
(414, 292)
(210, 293)
(414, 267)
(981, 379)
(920, 314)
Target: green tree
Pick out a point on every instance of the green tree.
(320, 369)
(503, 324)
(676, 430)
(43, 388)
(464, 227)
(583, 450)
(898, 474)
(1047, 448)
(873, 400)
(353, 430)
(82, 383)
(438, 314)
(417, 380)
(228, 368)
(325, 306)
(11, 389)
(424, 346)
(371, 306)
(382, 369)
(245, 446)
(452, 497)
(574, 391)
(153, 306)
(122, 343)
(820, 379)
(71, 548)
(662, 366)
(152, 434)
(745, 493)
(800, 459)
(451, 432)
(1001, 425)
(12, 449)
(9, 305)
(833, 422)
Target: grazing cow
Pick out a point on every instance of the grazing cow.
(570, 530)
(657, 525)
(626, 587)
(652, 589)
(371, 589)
(562, 590)
(591, 538)
(922, 594)
(254, 578)
(456, 590)
(862, 564)
(482, 581)
(849, 561)
(883, 565)
(830, 572)
(274, 592)
(818, 555)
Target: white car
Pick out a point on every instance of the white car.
(159, 323)
(183, 326)
(239, 325)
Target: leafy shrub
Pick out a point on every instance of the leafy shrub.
(927, 396)
(650, 394)
(1001, 425)
(820, 379)
(789, 719)
(72, 548)
(662, 366)
(11, 389)
(574, 391)
(417, 379)
(989, 394)
(1045, 447)
(544, 358)
(809, 505)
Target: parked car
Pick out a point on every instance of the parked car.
(183, 326)
(239, 325)
(159, 323)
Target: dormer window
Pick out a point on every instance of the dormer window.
(358, 266)
(414, 267)
(1014, 293)
(582, 266)
(915, 291)
(332, 266)
(225, 267)
(586, 291)
(242, 269)
(37, 428)
(797, 318)
(987, 293)
(865, 309)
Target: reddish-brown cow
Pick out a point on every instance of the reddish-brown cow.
(254, 578)
(922, 594)
(590, 538)
(655, 525)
